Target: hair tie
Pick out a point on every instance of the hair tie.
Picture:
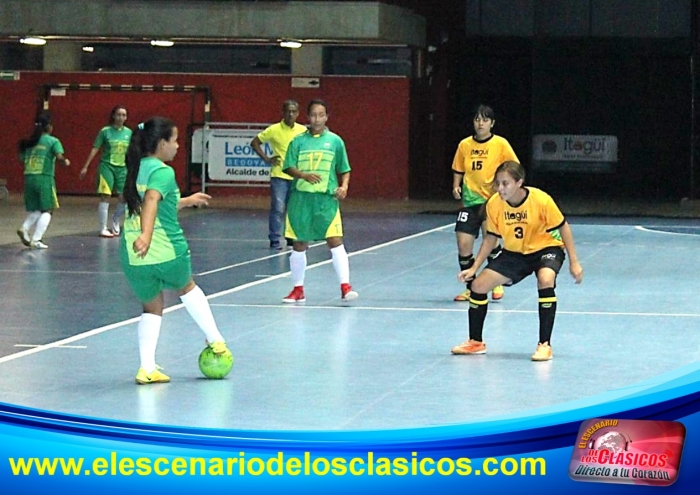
(140, 126)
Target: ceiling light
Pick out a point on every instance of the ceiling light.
(290, 44)
(32, 40)
(89, 49)
(165, 43)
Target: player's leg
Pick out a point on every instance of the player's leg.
(32, 204)
(299, 227)
(497, 292)
(467, 228)
(105, 183)
(119, 181)
(197, 305)
(478, 307)
(547, 265)
(148, 334)
(48, 201)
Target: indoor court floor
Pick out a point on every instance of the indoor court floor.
(68, 339)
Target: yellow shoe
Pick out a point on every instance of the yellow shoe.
(218, 347)
(156, 376)
(543, 352)
(470, 347)
(464, 296)
(497, 293)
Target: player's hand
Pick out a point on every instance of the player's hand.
(83, 172)
(313, 178)
(466, 275)
(66, 162)
(341, 192)
(274, 160)
(199, 199)
(576, 271)
(141, 246)
(457, 192)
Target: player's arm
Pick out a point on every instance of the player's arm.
(196, 199)
(91, 156)
(62, 158)
(342, 191)
(575, 267)
(149, 209)
(457, 180)
(256, 145)
(487, 246)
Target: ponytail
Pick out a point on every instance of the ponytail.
(41, 125)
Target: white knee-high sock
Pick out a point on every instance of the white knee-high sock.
(297, 264)
(149, 331)
(41, 225)
(103, 213)
(30, 220)
(118, 212)
(197, 306)
(341, 264)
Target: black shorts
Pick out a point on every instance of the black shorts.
(470, 218)
(517, 266)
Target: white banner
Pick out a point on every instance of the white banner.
(574, 148)
(231, 157)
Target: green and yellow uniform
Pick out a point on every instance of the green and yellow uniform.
(167, 264)
(526, 228)
(40, 174)
(478, 161)
(313, 212)
(279, 136)
(112, 170)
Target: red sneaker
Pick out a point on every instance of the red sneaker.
(296, 296)
(347, 294)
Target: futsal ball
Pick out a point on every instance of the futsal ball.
(215, 366)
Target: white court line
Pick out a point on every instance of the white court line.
(61, 347)
(62, 271)
(456, 310)
(651, 230)
(112, 326)
(251, 261)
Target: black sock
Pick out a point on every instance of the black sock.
(478, 305)
(547, 310)
(465, 263)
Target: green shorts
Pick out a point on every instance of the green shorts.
(40, 193)
(312, 217)
(110, 179)
(147, 281)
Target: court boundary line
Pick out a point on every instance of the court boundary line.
(112, 326)
(652, 231)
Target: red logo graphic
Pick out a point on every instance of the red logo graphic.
(628, 451)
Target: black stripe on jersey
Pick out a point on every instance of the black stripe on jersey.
(558, 226)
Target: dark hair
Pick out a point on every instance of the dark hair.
(144, 142)
(316, 101)
(289, 103)
(484, 111)
(41, 125)
(514, 169)
(114, 110)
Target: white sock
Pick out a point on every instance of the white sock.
(102, 214)
(30, 220)
(297, 264)
(341, 264)
(197, 306)
(149, 331)
(118, 212)
(41, 225)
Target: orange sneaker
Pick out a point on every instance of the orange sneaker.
(470, 347)
(296, 296)
(543, 352)
(497, 293)
(462, 297)
(347, 294)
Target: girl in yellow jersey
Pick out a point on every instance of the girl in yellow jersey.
(473, 170)
(535, 235)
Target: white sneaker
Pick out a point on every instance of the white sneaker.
(24, 237)
(38, 245)
(106, 233)
(116, 229)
